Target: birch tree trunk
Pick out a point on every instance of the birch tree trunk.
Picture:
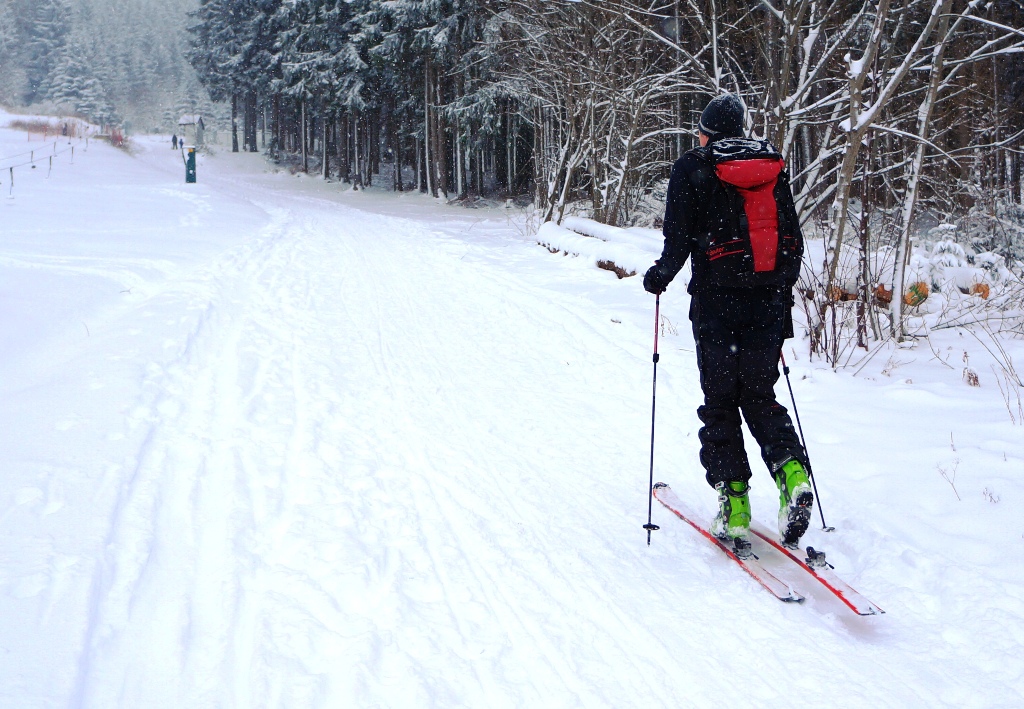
(860, 122)
(924, 114)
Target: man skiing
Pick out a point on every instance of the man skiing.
(730, 208)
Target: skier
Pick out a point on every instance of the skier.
(174, 142)
(730, 208)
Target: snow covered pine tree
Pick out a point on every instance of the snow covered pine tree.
(730, 207)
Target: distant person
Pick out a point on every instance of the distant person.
(731, 209)
(174, 142)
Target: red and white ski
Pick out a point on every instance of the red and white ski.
(778, 588)
(814, 564)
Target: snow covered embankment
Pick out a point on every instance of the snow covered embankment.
(625, 252)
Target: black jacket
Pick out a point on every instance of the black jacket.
(719, 197)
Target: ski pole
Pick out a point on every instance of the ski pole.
(803, 443)
(654, 392)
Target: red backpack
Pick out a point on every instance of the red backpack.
(753, 234)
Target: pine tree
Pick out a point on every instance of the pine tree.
(69, 75)
(94, 103)
(48, 30)
(12, 77)
(232, 52)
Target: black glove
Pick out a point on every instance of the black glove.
(657, 278)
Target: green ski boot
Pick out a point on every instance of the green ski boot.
(732, 524)
(795, 501)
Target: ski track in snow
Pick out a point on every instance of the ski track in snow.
(379, 466)
(303, 387)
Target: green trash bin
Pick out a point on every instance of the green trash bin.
(190, 165)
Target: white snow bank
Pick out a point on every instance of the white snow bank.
(644, 239)
(631, 249)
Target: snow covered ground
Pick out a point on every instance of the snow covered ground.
(270, 443)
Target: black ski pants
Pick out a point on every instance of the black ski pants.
(739, 334)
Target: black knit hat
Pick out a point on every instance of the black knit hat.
(723, 117)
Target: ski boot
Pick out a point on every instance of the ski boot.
(732, 524)
(795, 501)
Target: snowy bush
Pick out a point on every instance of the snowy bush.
(946, 265)
(997, 226)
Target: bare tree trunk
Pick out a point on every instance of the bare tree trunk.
(715, 69)
(860, 123)
(460, 187)
(326, 171)
(510, 142)
(515, 154)
(481, 170)
(863, 272)
(1015, 181)
(276, 133)
(357, 154)
(924, 114)
(441, 145)
(302, 138)
(419, 166)
(373, 151)
(347, 148)
(234, 123)
(427, 131)
(396, 151)
(339, 148)
(250, 122)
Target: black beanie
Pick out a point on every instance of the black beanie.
(723, 117)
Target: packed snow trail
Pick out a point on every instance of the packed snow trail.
(373, 461)
(327, 478)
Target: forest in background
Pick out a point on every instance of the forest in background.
(895, 117)
(113, 62)
(901, 121)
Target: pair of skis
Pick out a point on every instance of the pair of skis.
(814, 563)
